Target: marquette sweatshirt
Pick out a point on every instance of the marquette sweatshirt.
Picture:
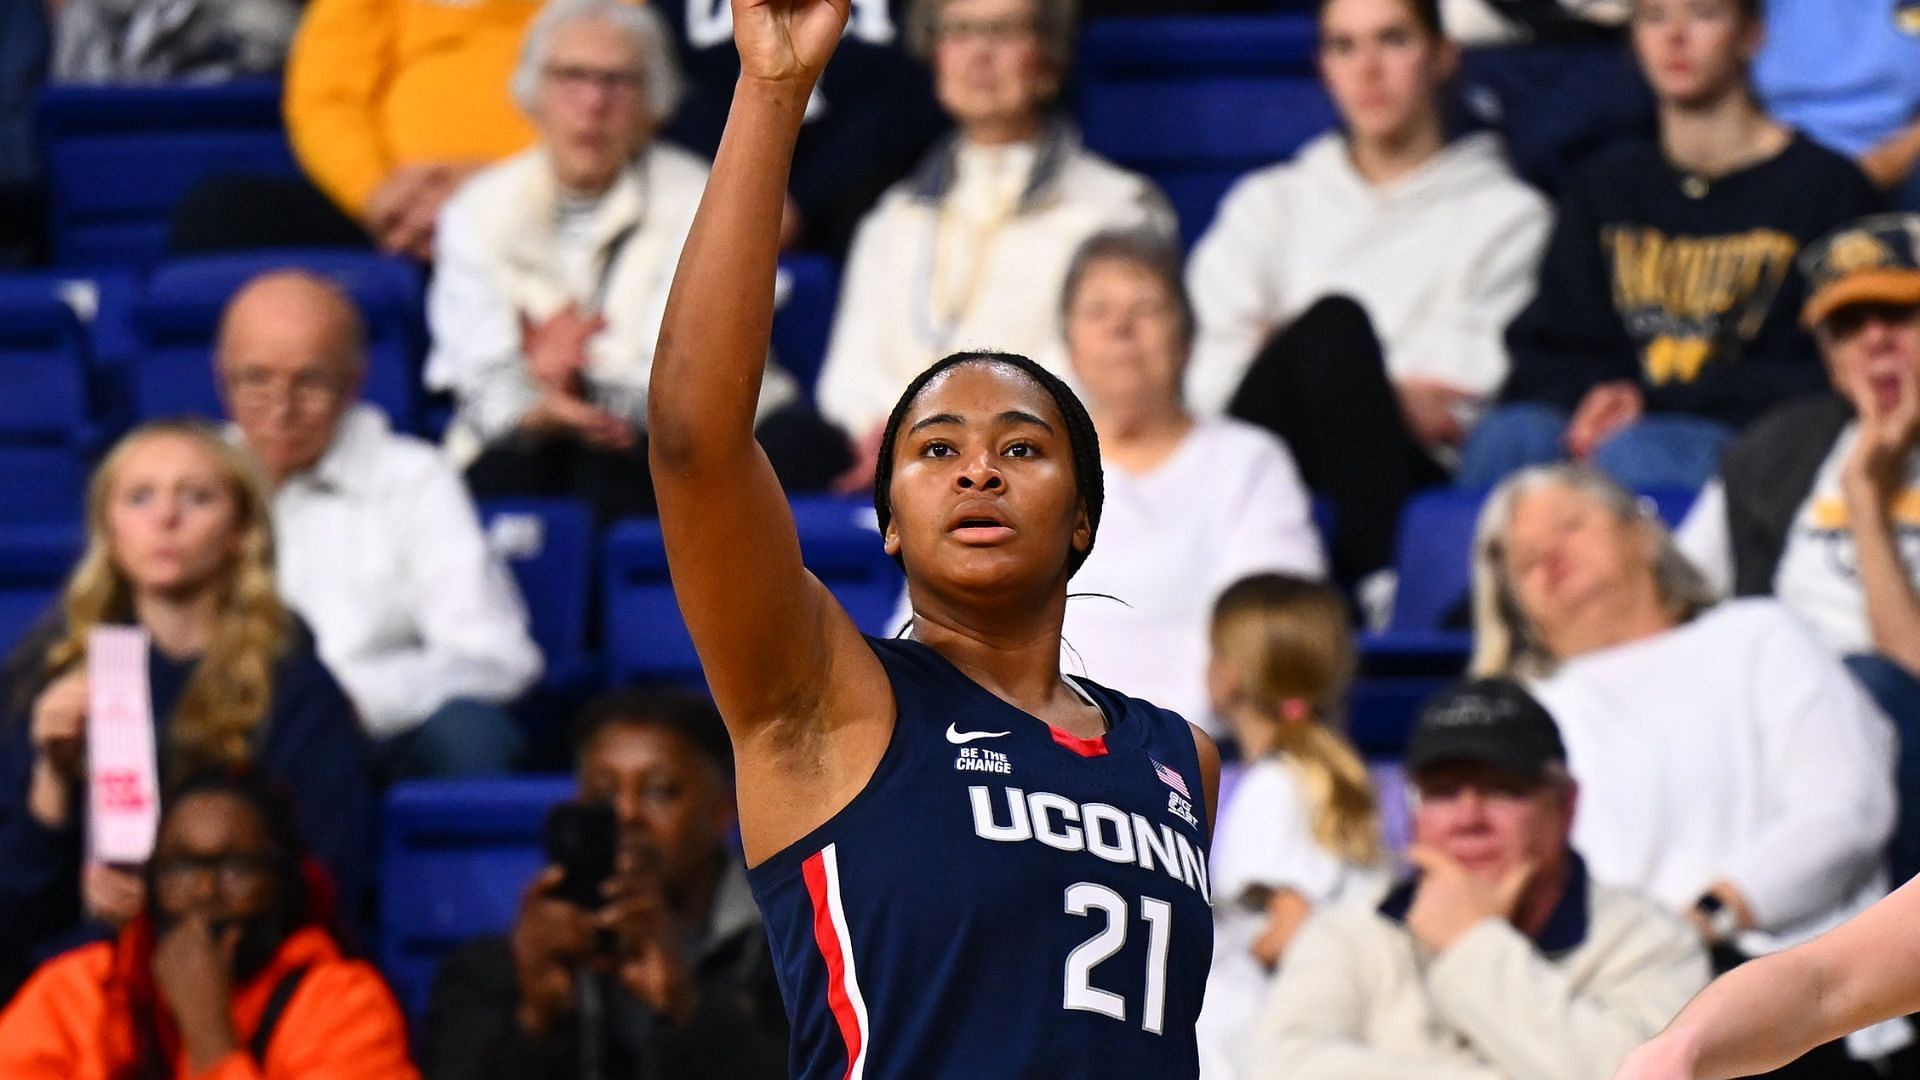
(1686, 287)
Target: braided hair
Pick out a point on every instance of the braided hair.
(1082, 442)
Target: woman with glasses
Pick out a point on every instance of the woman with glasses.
(179, 545)
(553, 270)
(230, 969)
(971, 251)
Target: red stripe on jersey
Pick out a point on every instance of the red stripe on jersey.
(814, 870)
(1094, 747)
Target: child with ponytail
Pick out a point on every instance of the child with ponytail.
(1303, 825)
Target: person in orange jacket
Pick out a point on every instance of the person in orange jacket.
(229, 974)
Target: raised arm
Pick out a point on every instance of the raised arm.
(780, 655)
(1769, 1011)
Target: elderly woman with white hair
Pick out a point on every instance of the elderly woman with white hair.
(1729, 767)
(553, 272)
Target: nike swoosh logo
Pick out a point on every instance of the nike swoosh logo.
(961, 738)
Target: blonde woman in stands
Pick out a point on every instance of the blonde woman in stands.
(179, 544)
(1302, 828)
(1729, 766)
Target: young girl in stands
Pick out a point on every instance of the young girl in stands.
(1669, 302)
(1302, 827)
(179, 544)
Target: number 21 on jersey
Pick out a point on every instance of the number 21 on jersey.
(1084, 899)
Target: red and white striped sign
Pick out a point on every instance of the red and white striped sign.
(123, 772)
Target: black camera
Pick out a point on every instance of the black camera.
(582, 839)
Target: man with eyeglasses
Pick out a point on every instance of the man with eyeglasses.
(230, 973)
(377, 543)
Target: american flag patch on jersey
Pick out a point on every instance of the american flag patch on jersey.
(1172, 778)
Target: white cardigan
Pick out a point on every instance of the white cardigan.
(883, 333)
(499, 258)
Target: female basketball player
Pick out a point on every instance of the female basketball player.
(969, 866)
(1768, 1012)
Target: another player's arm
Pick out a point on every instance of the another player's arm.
(1769, 1011)
(775, 646)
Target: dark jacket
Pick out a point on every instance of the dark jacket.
(310, 742)
(1768, 473)
(739, 1032)
(1690, 291)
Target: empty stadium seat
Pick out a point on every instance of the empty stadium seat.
(177, 318)
(34, 562)
(456, 855)
(119, 158)
(645, 637)
(809, 291)
(46, 429)
(1195, 102)
(548, 544)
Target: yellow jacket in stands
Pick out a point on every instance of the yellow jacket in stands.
(376, 84)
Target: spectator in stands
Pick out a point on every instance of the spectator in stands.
(1817, 502)
(1352, 300)
(379, 546)
(1849, 76)
(390, 105)
(972, 250)
(179, 544)
(554, 269)
(1501, 958)
(1302, 828)
(25, 47)
(677, 951)
(148, 41)
(229, 971)
(1554, 77)
(1192, 504)
(1729, 766)
(1668, 304)
(872, 115)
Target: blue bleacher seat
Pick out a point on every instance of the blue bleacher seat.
(645, 637)
(456, 855)
(46, 430)
(34, 563)
(178, 315)
(1195, 102)
(548, 543)
(804, 320)
(119, 158)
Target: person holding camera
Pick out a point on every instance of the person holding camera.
(638, 951)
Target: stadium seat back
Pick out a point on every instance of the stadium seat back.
(120, 158)
(177, 320)
(1197, 101)
(804, 320)
(548, 544)
(34, 563)
(456, 857)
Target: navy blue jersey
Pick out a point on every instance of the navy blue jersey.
(1001, 900)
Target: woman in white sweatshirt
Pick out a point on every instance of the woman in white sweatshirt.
(1353, 299)
(1729, 766)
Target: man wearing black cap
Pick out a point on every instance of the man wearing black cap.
(1500, 957)
(1819, 503)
